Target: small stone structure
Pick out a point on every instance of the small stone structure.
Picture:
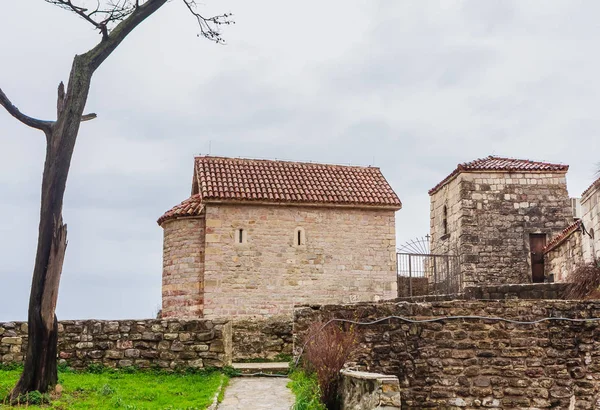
(258, 236)
(590, 207)
(490, 211)
(565, 252)
(166, 344)
(369, 391)
(477, 363)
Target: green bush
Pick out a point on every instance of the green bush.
(306, 388)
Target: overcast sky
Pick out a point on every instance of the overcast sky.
(411, 87)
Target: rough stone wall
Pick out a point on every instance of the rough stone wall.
(183, 267)
(495, 214)
(420, 286)
(563, 259)
(349, 255)
(590, 208)
(369, 391)
(264, 338)
(478, 363)
(167, 344)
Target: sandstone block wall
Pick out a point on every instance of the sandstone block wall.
(563, 259)
(490, 218)
(478, 363)
(167, 344)
(183, 267)
(348, 255)
(590, 208)
(262, 338)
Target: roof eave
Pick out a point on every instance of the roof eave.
(390, 207)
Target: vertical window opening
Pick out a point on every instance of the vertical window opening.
(241, 236)
(299, 237)
(445, 220)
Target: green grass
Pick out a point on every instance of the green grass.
(130, 390)
(306, 389)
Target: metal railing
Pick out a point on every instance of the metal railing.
(422, 274)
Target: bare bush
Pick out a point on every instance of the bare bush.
(585, 281)
(327, 349)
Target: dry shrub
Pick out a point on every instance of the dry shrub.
(585, 281)
(326, 351)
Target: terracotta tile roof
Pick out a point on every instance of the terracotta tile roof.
(563, 236)
(190, 207)
(233, 179)
(493, 164)
(596, 183)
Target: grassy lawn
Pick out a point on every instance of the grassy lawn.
(126, 390)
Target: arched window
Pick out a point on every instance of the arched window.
(299, 237)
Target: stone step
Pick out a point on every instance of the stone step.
(247, 369)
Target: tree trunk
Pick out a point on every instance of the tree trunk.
(40, 371)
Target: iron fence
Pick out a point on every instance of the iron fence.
(427, 274)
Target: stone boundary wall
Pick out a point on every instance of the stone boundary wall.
(262, 338)
(369, 391)
(517, 291)
(167, 344)
(478, 363)
(526, 291)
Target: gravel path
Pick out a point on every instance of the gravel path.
(257, 393)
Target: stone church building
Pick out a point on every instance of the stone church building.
(258, 236)
(499, 214)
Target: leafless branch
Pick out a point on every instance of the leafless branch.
(25, 119)
(103, 18)
(209, 26)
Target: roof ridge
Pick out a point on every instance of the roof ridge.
(288, 161)
(495, 163)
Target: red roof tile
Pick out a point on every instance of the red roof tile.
(493, 164)
(233, 179)
(190, 207)
(564, 235)
(594, 184)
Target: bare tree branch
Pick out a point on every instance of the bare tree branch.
(25, 119)
(101, 52)
(209, 26)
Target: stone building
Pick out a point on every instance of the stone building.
(498, 214)
(258, 236)
(565, 252)
(590, 210)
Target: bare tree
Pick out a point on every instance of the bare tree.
(114, 20)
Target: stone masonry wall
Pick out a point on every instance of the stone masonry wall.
(563, 259)
(262, 338)
(456, 364)
(183, 267)
(590, 208)
(496, 214)
(446, 240)
(167, 344)
(348, 255)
